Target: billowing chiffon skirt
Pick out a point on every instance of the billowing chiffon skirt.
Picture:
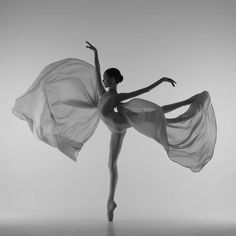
(61, 109)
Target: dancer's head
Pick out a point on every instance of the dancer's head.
(110, 75)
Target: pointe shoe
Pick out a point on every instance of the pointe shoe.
(110, 210)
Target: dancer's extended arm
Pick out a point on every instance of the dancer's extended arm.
(101, 89)
(124, 96)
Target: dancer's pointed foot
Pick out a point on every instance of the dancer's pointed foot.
(111, 205)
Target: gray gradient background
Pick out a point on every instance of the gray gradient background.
(192, 42)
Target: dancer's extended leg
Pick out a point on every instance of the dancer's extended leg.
(173, 106)
(115, 147)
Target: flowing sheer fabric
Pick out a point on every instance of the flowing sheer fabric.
(61, 105)
(61, 109)
(188, 139)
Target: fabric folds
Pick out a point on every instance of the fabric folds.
(61, 105)
(61, 109)
(188, 139)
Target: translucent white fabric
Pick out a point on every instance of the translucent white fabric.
(61, 105)
(61, 109)
(188, 139)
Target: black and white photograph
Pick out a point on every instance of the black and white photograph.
(118, 118)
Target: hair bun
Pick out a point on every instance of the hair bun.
(114, 72)
(121, 78)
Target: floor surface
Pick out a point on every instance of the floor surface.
(118, 228)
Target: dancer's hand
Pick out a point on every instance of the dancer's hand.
(165, 79)
(90, 46)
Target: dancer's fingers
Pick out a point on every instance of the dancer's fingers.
(88, 43)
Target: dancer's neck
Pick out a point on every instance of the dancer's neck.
(113, 88)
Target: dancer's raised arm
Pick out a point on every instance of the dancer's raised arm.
(124, 96)
(101, 89)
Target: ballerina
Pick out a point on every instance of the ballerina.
(117, 124)
(64, 104)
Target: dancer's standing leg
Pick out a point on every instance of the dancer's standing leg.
(115, 147)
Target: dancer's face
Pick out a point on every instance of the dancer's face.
(107, 80)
